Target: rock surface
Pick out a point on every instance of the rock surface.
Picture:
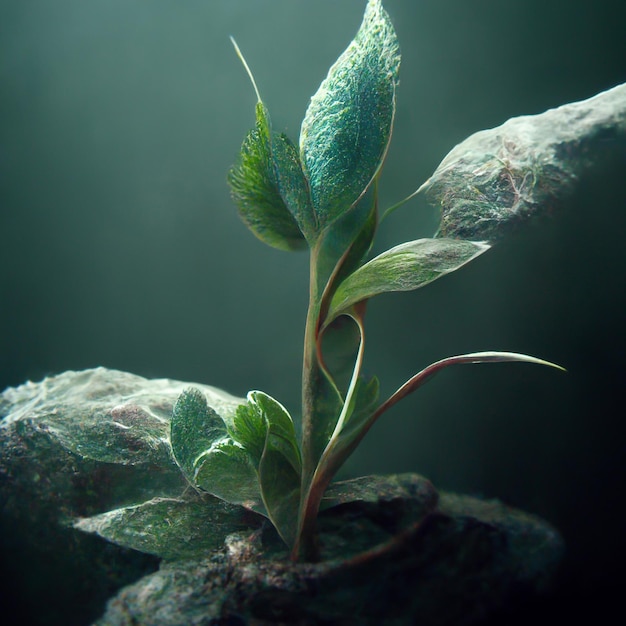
(499, 178)
(89, 450)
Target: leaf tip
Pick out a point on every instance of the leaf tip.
(246, 67)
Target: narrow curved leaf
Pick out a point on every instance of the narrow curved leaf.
(403, 268)
(499, 178)
(280, 429)
(208, 456)
(365, 416)
(427, 373)
(255, 189)
(347, 126)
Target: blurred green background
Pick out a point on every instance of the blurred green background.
(120, 245)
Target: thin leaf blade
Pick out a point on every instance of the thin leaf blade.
(427, 373)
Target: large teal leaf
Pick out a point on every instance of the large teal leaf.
(208, 456)
(347, 127)
(255, 188)
(403, 268)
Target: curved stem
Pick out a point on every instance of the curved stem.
(313, 491)
(352, 386)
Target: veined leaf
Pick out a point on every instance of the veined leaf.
(265, 428)
(255, 188)
(499, 178)
(403, 268)
(249, 429)
(280, 428)
(172, 528)
(208, 456)
(293, 186)
(347, 126)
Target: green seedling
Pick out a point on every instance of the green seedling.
(322, 196)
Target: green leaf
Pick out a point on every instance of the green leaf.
(280, 427)
(347, 127)
(293, 186)
(365, 414)
(208, 456)
(249, 429)
(499, 178)
(403, 268)
(279, 465)
(172, 528)
(255, 188)
(411, 488)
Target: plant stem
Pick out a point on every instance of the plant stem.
(305, 540)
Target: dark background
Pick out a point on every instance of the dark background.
(121, 247)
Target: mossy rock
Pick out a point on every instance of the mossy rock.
(90, 451)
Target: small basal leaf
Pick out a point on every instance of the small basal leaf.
(347, 127)
(279, 465)
(280, 427)
(403, 268)
(499, 178)
(225, 470)
(255, 189)
(249, 429)
(172, 528)
(208, 456)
